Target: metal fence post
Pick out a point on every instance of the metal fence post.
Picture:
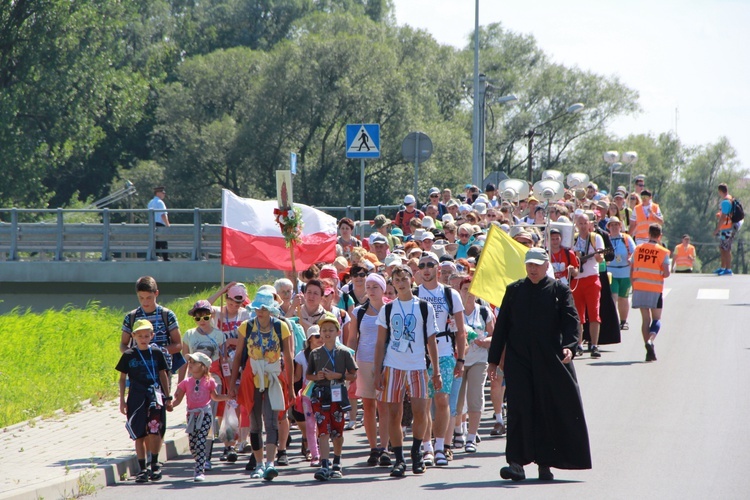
(14, 236)
(196, 234)
(105, 235)
(59, 235)
(150, 254)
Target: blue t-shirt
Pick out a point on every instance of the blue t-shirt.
(620, 265)
(726, 206)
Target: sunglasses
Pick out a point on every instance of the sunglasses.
(429, 265)
(360, 274)
(639, 184)
(204, 318)
(434, 195)
(197, 385)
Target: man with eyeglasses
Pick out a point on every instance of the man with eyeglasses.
(640, 184)
(451, 344)
(406, 329)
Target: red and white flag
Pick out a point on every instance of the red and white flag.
(250, 236)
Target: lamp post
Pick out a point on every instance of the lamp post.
(476, 165)
(572, 109)
(487, 88)
(628, 159)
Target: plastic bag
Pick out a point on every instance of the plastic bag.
(230, 424)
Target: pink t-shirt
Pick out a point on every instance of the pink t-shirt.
(201, 397)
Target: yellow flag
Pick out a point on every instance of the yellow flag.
(502, 262)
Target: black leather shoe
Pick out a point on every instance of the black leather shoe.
(514, 472)
(545, 474)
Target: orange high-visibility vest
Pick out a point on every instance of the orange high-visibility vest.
(682, 260)
(642, 222)
(647, 267)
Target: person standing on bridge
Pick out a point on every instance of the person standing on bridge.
(537, 329)
(649, 267)
(161, 218)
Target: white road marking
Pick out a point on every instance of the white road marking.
(713, 294)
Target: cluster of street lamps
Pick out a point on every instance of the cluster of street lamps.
(616, 163)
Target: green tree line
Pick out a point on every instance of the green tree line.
(201, 96)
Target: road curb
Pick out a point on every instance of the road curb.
(89, 481)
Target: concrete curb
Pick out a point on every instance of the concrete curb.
(88, 481)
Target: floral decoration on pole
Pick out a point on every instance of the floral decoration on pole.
(290, 222)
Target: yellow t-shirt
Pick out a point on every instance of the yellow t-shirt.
(264, 346)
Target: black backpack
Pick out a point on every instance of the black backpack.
(738, 213)
(174, 361)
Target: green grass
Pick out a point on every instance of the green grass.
(56, 359)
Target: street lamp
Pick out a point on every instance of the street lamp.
(572, 109)
(628, 160)
(486, 88)
(475, 164)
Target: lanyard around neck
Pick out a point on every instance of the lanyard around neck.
(148, 367)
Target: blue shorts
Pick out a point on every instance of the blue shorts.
(447, 365)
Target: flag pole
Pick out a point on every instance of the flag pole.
(294, 267)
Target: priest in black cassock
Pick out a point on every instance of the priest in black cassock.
(535, 335)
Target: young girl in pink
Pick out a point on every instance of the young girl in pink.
(300, 360)
(199, 389)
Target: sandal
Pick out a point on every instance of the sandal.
(470, 447)
(398, 470)
(624, 325)
(440, 459)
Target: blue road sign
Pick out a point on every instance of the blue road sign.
(363, 140)
(293, 163)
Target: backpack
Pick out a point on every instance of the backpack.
(609, 254)
(276, 328)
(737, 213)
(361, 315)
(299, 334)
(423, 311)
(174, 361)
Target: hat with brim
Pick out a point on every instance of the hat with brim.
(614, 220)
(329, 318)
(201, 305)
(397, 232)
(537, 256)
(200, 357)
(380, 221)
(264, 300)
(142, 324)
(313, 331)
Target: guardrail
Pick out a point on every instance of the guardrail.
(103, 234)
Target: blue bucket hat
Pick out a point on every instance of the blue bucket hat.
(264, 300)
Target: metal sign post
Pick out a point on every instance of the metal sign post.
(362, 141)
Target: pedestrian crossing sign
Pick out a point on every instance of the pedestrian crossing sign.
(363, 140)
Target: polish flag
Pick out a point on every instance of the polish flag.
(250, 236)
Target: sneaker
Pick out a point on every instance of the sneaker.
(322, 474)
(440, 459)
(470, 447)
(282, 458)
(514, 472)
(231, 455)
(579, 351)
(398, 470)
(336, 472)
(545, 474)
(208, 465)
(258, 473)
(270, 473)
(428, 458)
(199, 478)
(385, 458)
(224, 454)
(315, 462)
(245, 447)
(142, 476)
(650, 352)
(719, 271)
(374, 457)
(350, 425)
(498, 429)
(595, 352)
(726, 272)
(155, 473)
(251, 463)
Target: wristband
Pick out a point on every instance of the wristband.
(168, 398)
(460, 360)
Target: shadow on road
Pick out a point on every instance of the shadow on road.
(617, 363)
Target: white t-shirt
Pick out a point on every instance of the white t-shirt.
(208, 344)
(584, 246)
(406, 349)
(475, 321)
(301, 359)
(229, 323)
(436, 297)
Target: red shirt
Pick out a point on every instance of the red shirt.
(560, 262)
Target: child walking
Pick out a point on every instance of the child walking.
(146, 367)
(305, 418)
(329, 366)
(199, 389)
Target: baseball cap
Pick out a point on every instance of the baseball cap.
(448, 218)
(429, 256)
(480, 207)
(378, 238)
(433, 190)
(489, 187)
(237, 292)
(409, 199)
(381, 220)
(201, 305)
(329, 318)
(427, 235)
(142, 324)
(313, 330)
(200, 357)
(536, 255)
(554, 230)
(392, 260)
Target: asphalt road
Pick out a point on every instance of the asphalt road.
(676, 428)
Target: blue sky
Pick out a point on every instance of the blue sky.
(688, 60)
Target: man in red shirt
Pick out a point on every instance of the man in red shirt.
(403, 217)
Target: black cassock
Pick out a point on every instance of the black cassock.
(546, 424)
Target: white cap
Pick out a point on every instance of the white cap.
(409, 199)
(428, 222)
